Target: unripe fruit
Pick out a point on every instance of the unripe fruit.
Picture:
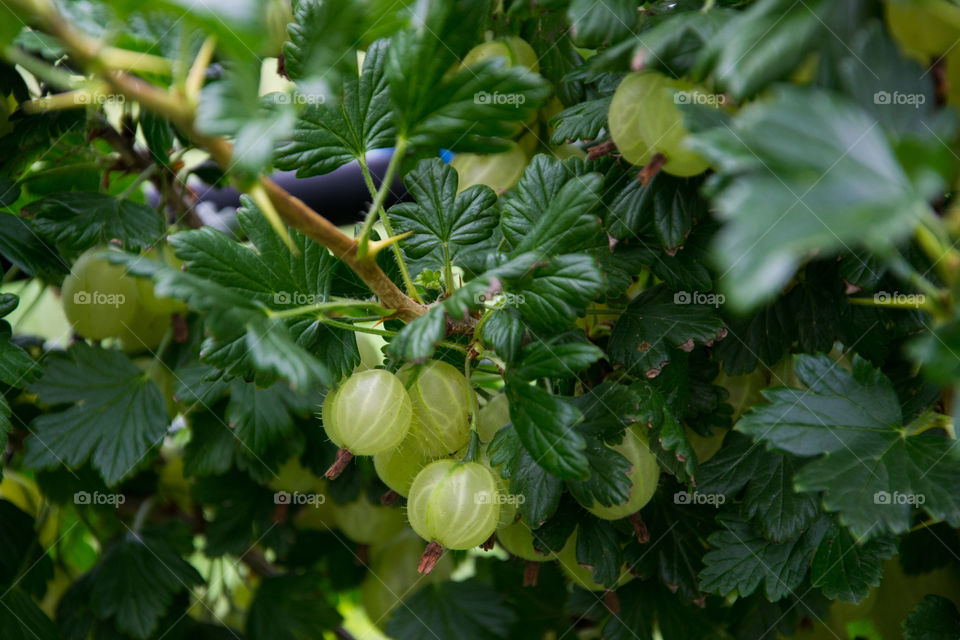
(367, 523)
(644, 120)
(149, 299)
(499, 171)
(583, 576)
(394, 577)
(923, 28)
(145, 332)
(454, 504)
(493, 416)
(644, 475)
(441, 401)
(98, 297)
(398, 467)
(705, 447)
(369, 413)
(293, 477)
(518, 539)
(517, 52)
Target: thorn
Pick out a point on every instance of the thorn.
(376, 246)
(260, 198)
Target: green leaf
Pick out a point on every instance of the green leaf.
(655, 323)
(608, 483)
(136, 581)
(24, 562)
(844, 569)
(470, 109)
(322, 37)
(673, 43)
(936, 618)
(770, 502)
(441, 217)
(544, 424)
(21, 619)
(764, 43)
(762, 337)
(469, 610)
(22, 246)
(742, 560)
(238, 287)
(598, 547)
(541, 490)
(600, 24)
(79, 220)
(582, 121)
(117, 414)
(291, 607)
(552, 208)
(329, 135)
(789, 162)
(875, 470)
(544, 359)
(505, 332)
(558, 291)
(649, 610)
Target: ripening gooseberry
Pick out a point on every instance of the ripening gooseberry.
(442, 400)
(499, 171)
(369, 413)
(368, 523)
(98, 297)
(493, 416)
(518, 539)
(583, 576)
(644, 475)
(399, 466)
(454, 504)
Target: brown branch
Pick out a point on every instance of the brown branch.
(181, 110)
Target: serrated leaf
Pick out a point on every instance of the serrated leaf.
(117, 414)
(540, 489)
(551, 209)
(558, 290)
(656, 322)
(673, 43)
(136, 581)
(874, 470)
(609, 482)
(544, 424)
(329, 135)
(320, 34)
(788, 193)
(23, 563)
(777, 511)
(542, 359)
(596, 24)
(440, 216)
(79, 220)
(762, 337)
(290, 607)
(844, 569)
(582, 121)
(22, 246)
(598, 547)
(936, 618)
(505, 332)
(742, 560)
(469, 610)
(671, 204)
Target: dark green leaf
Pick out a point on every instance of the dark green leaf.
(21, 619)
(291, 607)
(79, 220)
(544, 423)
(116, 418)
(596, 24)
(936, 618)
(467, 610)
(844, 569)
(583, 121)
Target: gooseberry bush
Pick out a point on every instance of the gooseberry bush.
(648, 329)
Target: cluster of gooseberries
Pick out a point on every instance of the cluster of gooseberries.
(502, 170)
(101, 300)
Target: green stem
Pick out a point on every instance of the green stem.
(893, 304)
(903, 269)
(933, 239)
(447, 269)
(331, 304)
(138, 182)
(40, 69)
(381, 332)
(142, 512)
(377, 209)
